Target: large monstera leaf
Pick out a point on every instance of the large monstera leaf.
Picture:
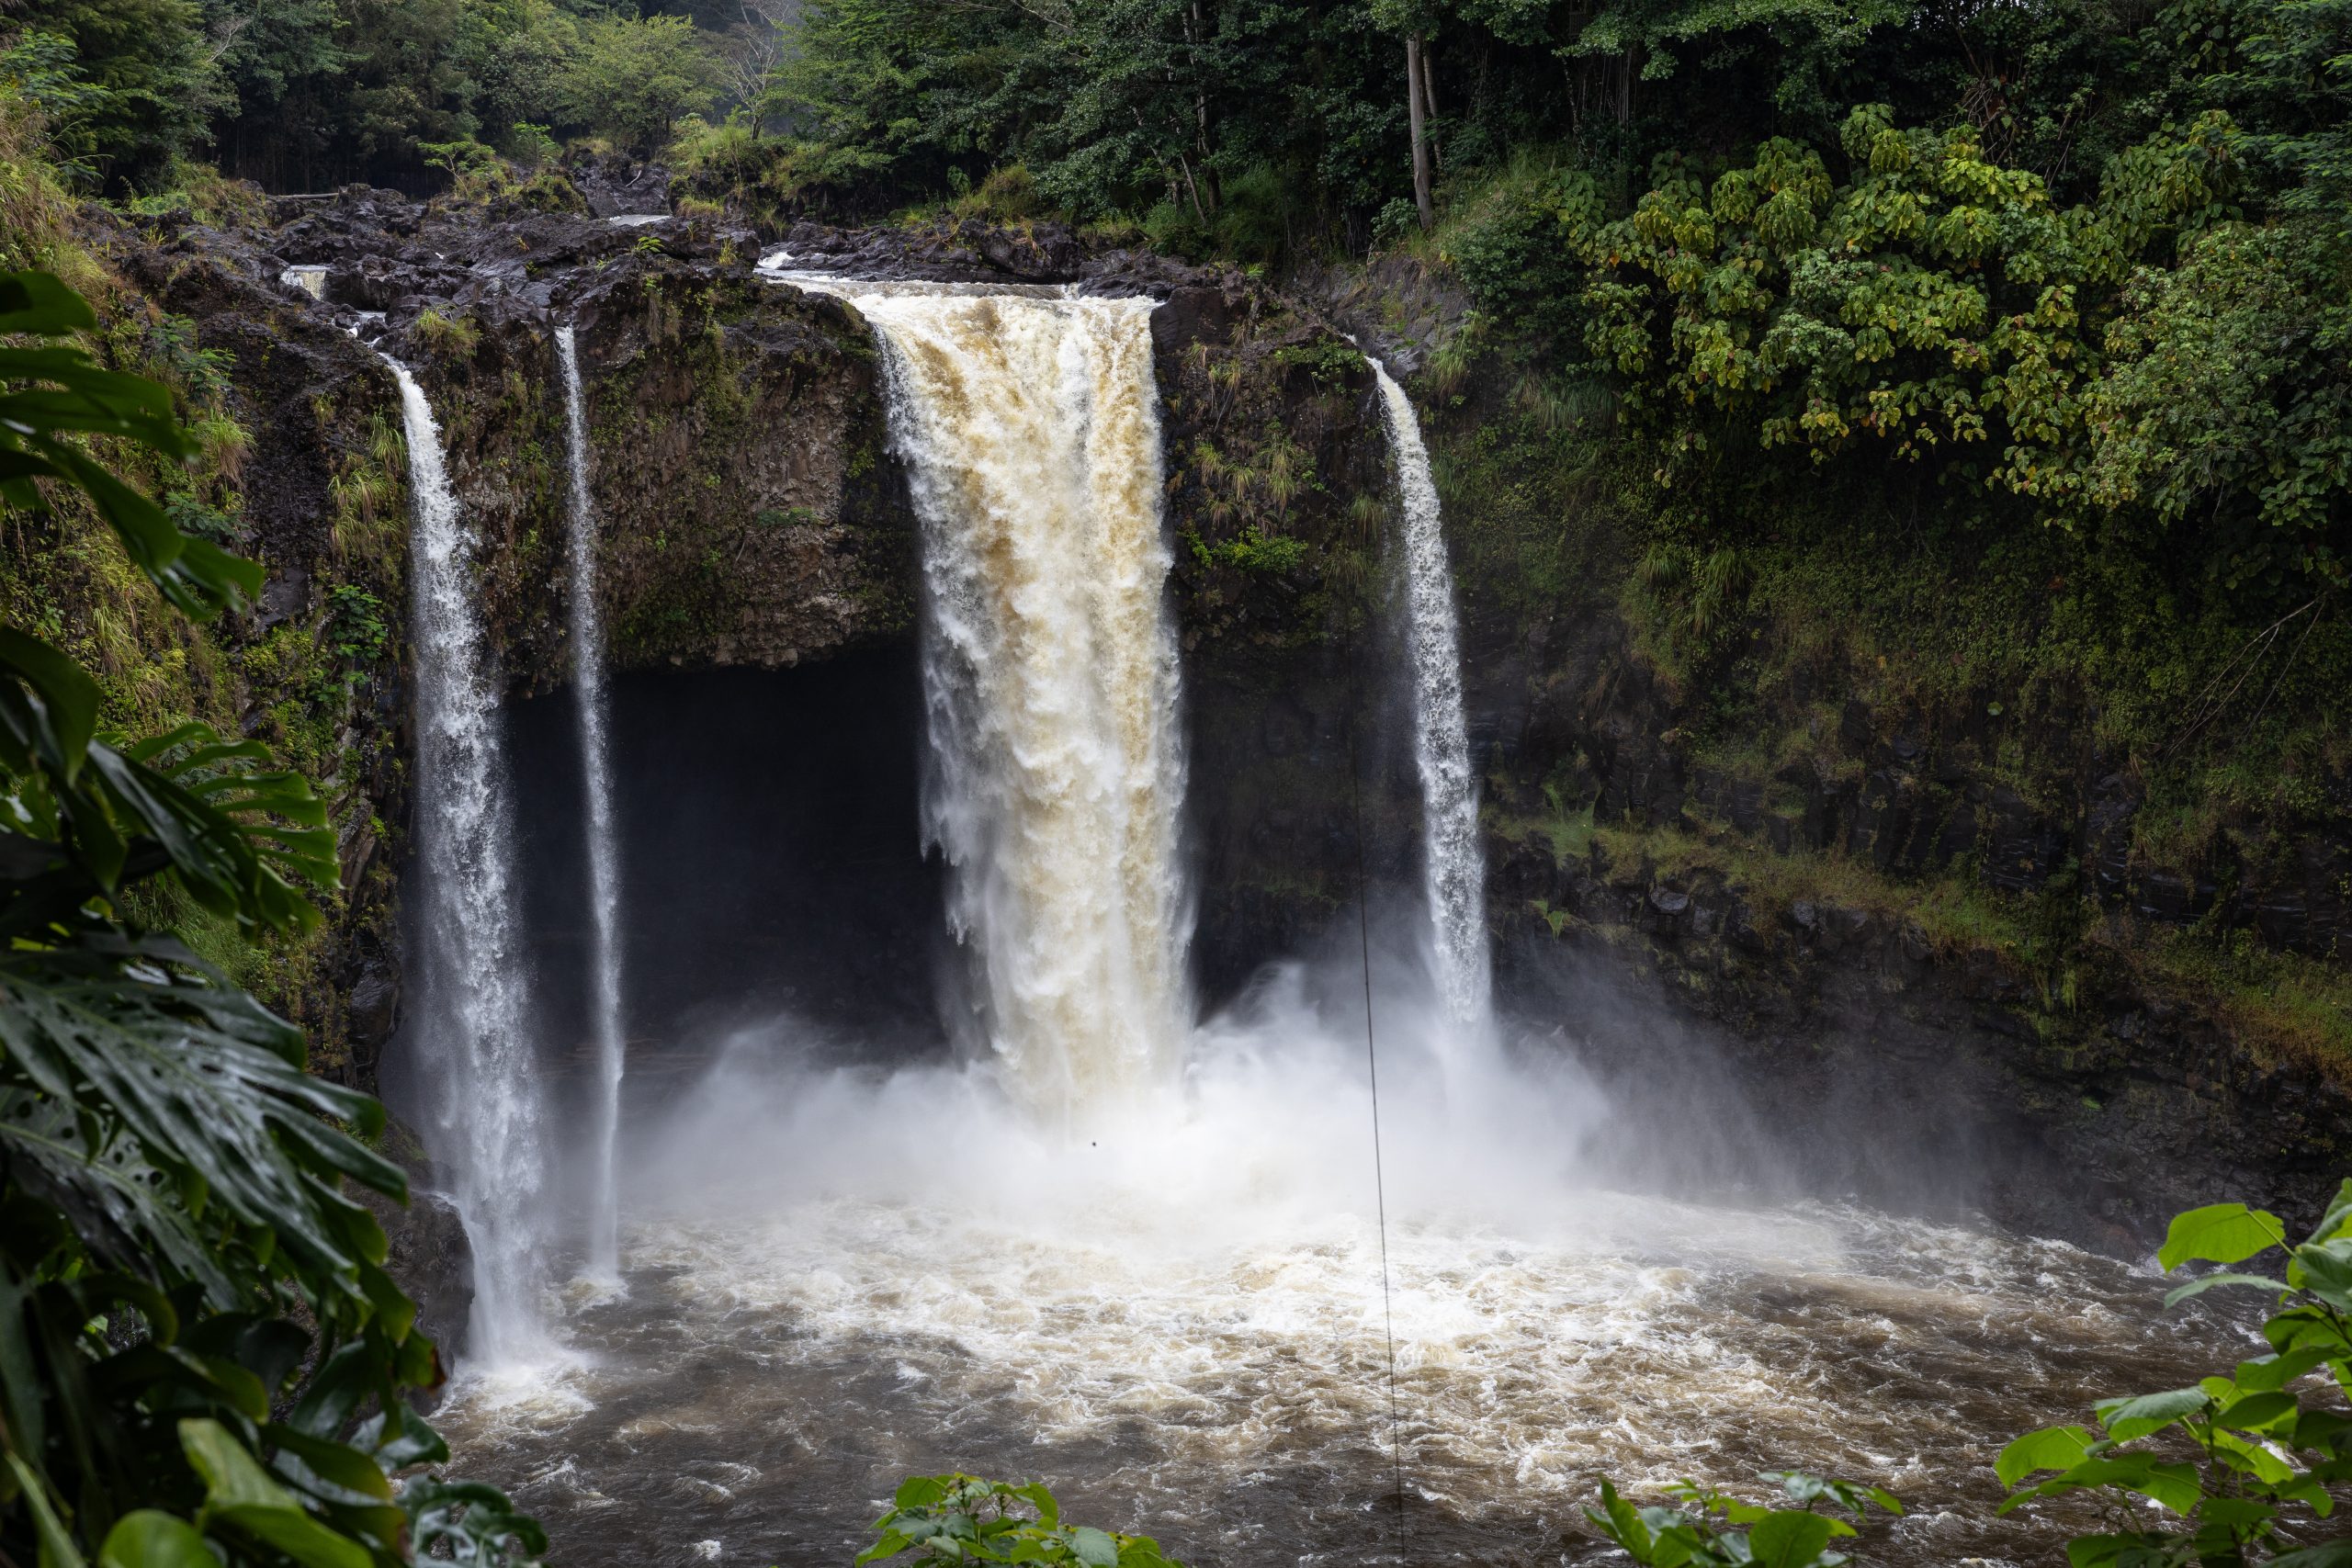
(202, 1359)
(157, 1104)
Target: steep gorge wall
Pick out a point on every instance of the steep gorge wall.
(1674, 914)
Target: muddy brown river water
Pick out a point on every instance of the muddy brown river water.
(1182, 1330)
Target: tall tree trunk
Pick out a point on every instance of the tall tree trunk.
(1429, 97)
(1191, 188)
(1195, 37)
(1416, 103)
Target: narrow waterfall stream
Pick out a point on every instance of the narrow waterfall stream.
(1135, 1256)
(604, 842)
(1455, 855)
(471, 1029)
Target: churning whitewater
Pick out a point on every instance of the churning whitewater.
(473, 1033)
(1140, 1258)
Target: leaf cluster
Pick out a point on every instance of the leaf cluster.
(1710, 1529)
(961, 1519)
(2232, 1459)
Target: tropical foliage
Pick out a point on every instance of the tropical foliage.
(2236, 1459)
(1708, 1528)
(962, 1518)
(309, 93)
(203, 1359)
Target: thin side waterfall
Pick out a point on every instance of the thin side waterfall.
(604, 842)
(1457, 863)
(1030, 429)
(471, 1026)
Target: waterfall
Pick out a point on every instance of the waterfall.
(1029, 425)
(1456, 868)
(470, 1030)
(604, 845)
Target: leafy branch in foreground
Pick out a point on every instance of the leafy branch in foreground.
(1775, 1538)
(202, 1359)
(962, 1518)
(2243, 1464)
(2234, 1458)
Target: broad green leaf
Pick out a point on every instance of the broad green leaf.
(2136, 1417)
(1790, 1538)
(918, 1492)
(1049, 1513)
(232, 1477)
(2327, 1271)
(2337, 1218)
(1094, 1548)
(2174, 1486)
(69, 699)
(290, 1531)
(2252, 1458)
(38, 304)
(1622, 1522)
(2198, 1287)
(329, 1471)
(2219, 1233)
(2237, 1515)
(2254, 1412)
(2334, 1554)
(150, 1538)
(2097, 1551)
(2052, 1448)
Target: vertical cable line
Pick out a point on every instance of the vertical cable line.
(1372, 1067)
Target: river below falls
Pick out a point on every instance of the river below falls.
(761, 1385)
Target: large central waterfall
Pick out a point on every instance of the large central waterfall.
(1030, 430)
(473, 1026)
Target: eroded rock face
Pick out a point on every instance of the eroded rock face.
(750, 513)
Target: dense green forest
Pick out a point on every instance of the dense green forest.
(2080, 264)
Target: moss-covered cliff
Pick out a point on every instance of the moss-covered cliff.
(1848, 820)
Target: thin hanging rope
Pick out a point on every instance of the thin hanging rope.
(1371, 1066)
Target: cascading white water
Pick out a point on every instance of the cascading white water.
(1183, 1319)
(471, 1032)
(1457, 863)
(1030, 429)
(604, 843)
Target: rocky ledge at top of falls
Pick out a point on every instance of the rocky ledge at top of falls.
(750, 511)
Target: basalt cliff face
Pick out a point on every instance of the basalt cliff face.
(1741, 952)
